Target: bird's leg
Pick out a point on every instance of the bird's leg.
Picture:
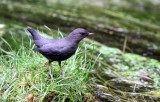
(63, 74)
(50, 72)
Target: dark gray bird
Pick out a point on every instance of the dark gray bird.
(58, 49)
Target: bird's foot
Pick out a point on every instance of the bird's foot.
(52, 79)
(63, 74)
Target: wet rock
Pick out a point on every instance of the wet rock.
(129, 86)
(104, 97)
(142, 97)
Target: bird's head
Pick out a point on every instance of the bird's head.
(78, 34)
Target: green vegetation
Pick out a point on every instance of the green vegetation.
(21, 73)
(97, 72)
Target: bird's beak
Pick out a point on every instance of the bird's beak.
(90, 33)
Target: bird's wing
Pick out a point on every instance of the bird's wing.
(44, 41)
(51, 49)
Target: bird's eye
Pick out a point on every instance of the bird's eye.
(83, 33)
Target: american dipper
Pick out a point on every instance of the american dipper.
(58, 49)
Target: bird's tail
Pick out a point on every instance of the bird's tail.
(34, 34)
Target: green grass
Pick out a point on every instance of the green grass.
(23, 71)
